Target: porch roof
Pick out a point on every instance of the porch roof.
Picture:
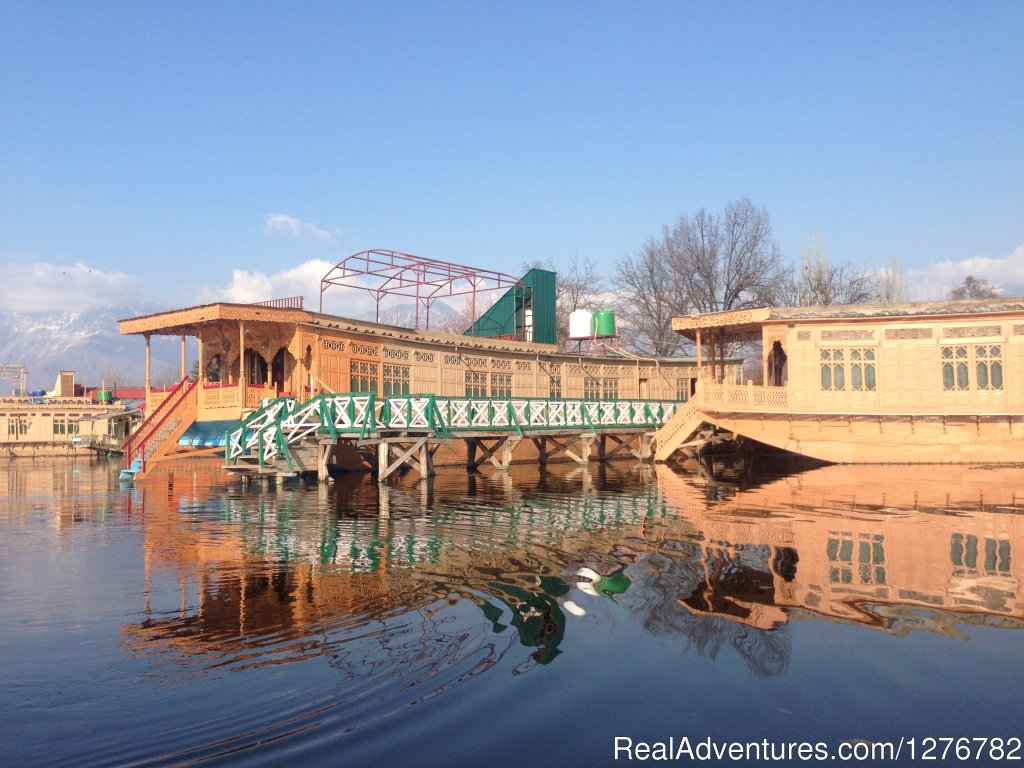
(179, 322)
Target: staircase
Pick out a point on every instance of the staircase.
(162, 428)
(678, 430)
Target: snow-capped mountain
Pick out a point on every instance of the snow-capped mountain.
(87, 343)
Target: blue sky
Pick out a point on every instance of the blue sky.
(183, 152)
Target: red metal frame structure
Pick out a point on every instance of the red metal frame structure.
(402, 274)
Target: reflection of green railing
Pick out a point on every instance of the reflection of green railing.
(283, 422)
(276, 528)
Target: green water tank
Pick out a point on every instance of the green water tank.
(104, 396)
(603, 323)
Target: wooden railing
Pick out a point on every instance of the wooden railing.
(684, 422)
(179, 404)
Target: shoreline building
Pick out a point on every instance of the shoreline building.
(933, 382)
(64, 421)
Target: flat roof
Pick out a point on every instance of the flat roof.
(747, 321)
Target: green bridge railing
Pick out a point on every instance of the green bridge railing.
(281, 422)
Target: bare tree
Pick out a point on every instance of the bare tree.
(974, 288)
(649, 299)
(819, 283)
(890, 285)
(461, 318)
(725, 262)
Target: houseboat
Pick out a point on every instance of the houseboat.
(279, 373)
(865, 384)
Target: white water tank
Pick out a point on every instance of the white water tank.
(579, 324)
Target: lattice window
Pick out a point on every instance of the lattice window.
(610, 389)
(683, 389)
(501, 385)
(396, 379)
(833, 371)
(364, 376)
(555, 387)
(954, 369)
(591, 388)
(476, 384)
(988, 366)
(862, 370)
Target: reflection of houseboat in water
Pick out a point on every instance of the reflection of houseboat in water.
(863, 544)
(906, 383)
(850, 544)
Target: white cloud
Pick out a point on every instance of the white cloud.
(301, 280)
(40, 286)
(289, 226)
(935, 280)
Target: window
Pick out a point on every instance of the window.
(591, 389)
(986, 361)
(833, 373)
(683, 390)
(862, 370)
(869, 565)
(954, 368)
(988, 366)
(852, 369)
(364, 376)
(476, 384)
(964, 553)
(396, 379)
(501, 385)
(610, 389)
(555, 387)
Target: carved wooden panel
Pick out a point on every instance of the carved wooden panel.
(971, 331)
(908, 333)
(848, 335)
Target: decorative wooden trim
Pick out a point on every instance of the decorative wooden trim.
(971, 331)
(908, 333)
(847, 334)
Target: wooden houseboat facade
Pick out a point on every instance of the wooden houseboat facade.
(908, 383)
(251, 354)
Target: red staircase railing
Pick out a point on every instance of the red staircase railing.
(136, 444)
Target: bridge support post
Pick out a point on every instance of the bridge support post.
(541, 444)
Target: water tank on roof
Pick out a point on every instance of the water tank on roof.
(104, 396)
(579, 324)
(604, 323)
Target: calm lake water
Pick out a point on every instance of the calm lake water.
(503, 619)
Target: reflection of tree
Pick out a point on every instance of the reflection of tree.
(672, 595)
